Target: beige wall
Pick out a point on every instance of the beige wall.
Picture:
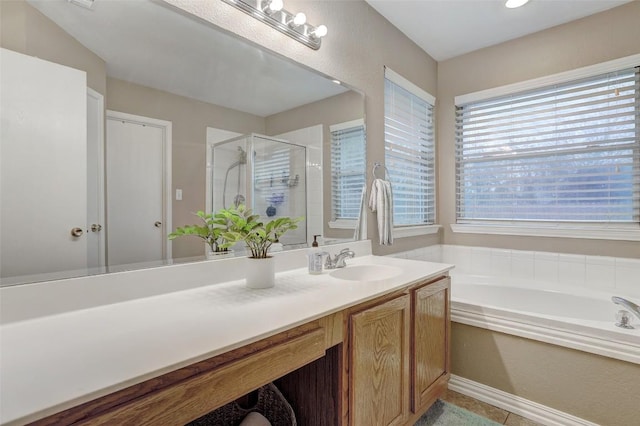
(334, 110)
(359, 44)
(608, 35)
(595, 388)
(190, 120)
(26, 30)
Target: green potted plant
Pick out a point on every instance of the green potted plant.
(210, 230)
(243, 225)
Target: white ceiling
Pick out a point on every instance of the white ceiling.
(150, 44)
(448, 28)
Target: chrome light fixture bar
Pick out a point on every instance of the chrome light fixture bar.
(272, 13)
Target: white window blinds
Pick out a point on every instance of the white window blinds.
(347, 168)
(272, 170)
(563, 153)
(409, 151)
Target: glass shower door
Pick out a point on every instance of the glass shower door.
(279, 183)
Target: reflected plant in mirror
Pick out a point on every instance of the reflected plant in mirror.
(124, 127)
(210, 231)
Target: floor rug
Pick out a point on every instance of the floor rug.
(444, 414)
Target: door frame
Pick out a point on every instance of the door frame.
(100, 165)
(167, 131)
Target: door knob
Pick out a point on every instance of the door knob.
(96, 227)
(77, 232)
(158, 224)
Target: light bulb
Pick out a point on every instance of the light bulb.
(512, 4)
(300, 19)
(275, 5)
(320, 31)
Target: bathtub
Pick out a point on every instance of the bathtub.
(571, 317)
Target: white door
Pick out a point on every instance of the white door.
(43, 151)
(138, 182)
(95, 180)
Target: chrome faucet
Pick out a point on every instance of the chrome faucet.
(635, 309)
(338, 260)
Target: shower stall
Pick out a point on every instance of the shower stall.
(266, 174)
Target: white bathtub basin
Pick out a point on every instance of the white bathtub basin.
(366, 272)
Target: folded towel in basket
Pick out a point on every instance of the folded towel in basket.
(255, 419)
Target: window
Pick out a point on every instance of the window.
(347, 169)
(568, 152)
(409, 150)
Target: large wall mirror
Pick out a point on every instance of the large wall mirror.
(120, 119)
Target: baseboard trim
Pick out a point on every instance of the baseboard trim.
(515, 404)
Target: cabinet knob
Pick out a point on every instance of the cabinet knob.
(96, 227)
(77, 232)
(158, 224)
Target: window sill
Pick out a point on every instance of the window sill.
(343, 224)
(621, 233)
(413, 231)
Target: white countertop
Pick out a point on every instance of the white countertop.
(56, 362)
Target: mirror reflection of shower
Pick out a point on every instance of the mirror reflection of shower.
(238, 198)
(264, 173)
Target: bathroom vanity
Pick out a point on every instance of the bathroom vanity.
(342, 350)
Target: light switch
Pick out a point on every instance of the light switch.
(178, 194)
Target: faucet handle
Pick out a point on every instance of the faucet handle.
(328, 264)
(345, 250)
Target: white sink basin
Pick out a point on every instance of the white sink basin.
(366, 272)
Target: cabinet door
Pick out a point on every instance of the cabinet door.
(431, 328)
(379, 364)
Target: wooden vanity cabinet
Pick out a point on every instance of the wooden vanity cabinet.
(430, 363)
(398, 355)
(383, 362)
(379, 364)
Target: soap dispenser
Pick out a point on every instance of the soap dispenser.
(316, 257)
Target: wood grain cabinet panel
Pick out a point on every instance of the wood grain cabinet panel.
(430, 360)
(192, 398)
(379, 364)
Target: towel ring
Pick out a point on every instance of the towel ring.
(375, 166)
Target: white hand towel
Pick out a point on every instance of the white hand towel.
(361, 224)
(381, 203)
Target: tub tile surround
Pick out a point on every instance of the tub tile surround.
(600, 273)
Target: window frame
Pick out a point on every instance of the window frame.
(340, 222)
(603, 230)
(413, 229)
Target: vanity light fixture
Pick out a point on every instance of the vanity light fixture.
(272, 13)
(512, 4)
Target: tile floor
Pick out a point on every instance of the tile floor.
(487, 410)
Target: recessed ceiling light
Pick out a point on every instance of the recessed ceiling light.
(512, 4)
(337, 81)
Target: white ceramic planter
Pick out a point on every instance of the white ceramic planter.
(260, 273)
